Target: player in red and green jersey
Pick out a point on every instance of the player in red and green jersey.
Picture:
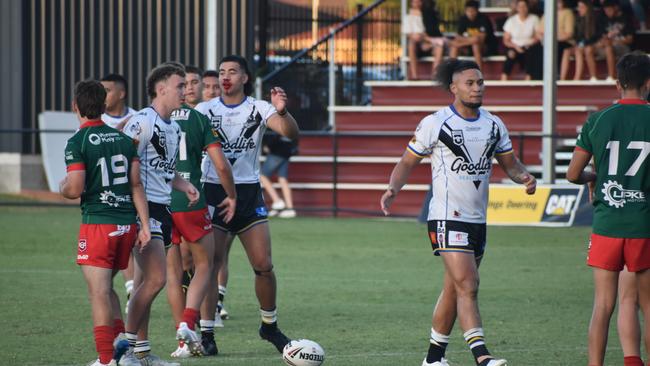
(192, 226)
(618, 139)
(104, 170)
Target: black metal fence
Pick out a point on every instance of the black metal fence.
(369, 49)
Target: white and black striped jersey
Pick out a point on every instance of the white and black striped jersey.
(461, 153)
(113, 121)
(157, 145)
(242, 127)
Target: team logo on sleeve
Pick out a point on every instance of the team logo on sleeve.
(135, 128)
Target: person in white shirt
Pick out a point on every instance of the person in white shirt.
(461, 140)
(241, 120)
(117, 113)
(519, 36)
(422, 31)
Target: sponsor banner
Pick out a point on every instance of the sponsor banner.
(551, 205)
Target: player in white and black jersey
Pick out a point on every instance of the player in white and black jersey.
(117, 113)
(242, 120)
(461, 140)
(157, 137)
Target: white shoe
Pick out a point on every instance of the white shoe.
(287, 214)
(273, 213)
(499, 362)
(593, 78)
(223, 314)
(442, 362)
(97, 363)
(187, 335)
(129, 359)
(218, 322)
(153, 360)
(610, 79)
(182, 352)
(278, 205)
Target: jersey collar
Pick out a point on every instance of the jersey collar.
(92, 124)
(233, 105)
(478, 115)
(632, 101)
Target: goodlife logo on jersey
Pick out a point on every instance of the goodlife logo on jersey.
(479, 170)
(242, 143)
(159, 143)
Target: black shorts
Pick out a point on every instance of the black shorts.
(250, 211)
(160, 222)
(457, 236)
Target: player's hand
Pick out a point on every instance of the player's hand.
(592, 186)
(279, 99)
(144, 237)
(227, 207)
(192, 195)
(530, 183)
(387, 199)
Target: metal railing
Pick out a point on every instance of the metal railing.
(519, 140)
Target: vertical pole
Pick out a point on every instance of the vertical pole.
(258, 88)
(331, 82)
(359, 77)
(549, 92)
(211, 36)
(335, 173)
(402, 39)
(263, 20)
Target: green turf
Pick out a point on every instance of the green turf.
(363, 288)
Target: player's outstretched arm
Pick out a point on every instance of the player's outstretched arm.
(576, 172)
(517, 171)
(224, 170)
(140, 203)
(72, 186)
(282, 122)
(398, 179)
(181, 184)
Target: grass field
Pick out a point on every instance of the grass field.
(363, 288)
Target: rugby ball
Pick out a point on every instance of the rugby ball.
(303, 352)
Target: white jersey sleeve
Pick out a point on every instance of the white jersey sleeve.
(140, 129)
(504, 145)
(425, 137)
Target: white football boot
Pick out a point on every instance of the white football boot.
(499, 362)
(223, 314)
(153, 360)
(182, 352)
(129, 359)
(187, 335)
(97, 363)
(218, 322)
(442, 362)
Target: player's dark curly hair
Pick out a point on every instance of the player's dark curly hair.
(633, 70)
(90, 98)
(248, 87)
(446, 70)
(160, 73)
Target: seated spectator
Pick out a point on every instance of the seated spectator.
(586, 35)
(617, 35)
(565, 29)
(518, 37)
(474, 32)
(423, 33)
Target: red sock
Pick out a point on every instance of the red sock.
(189, 317)
(104, 343)
(632, 361)
(118, 327)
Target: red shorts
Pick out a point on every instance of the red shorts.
(106, 245)
(191, 225)
(613, 253)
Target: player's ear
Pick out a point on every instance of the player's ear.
(452, 88)
(74, 106)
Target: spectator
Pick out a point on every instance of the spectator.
(518, 37)
(423, 33)
(586, 35)
(475, 32)
(565, 29)
(617, 35)
(278, 149)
